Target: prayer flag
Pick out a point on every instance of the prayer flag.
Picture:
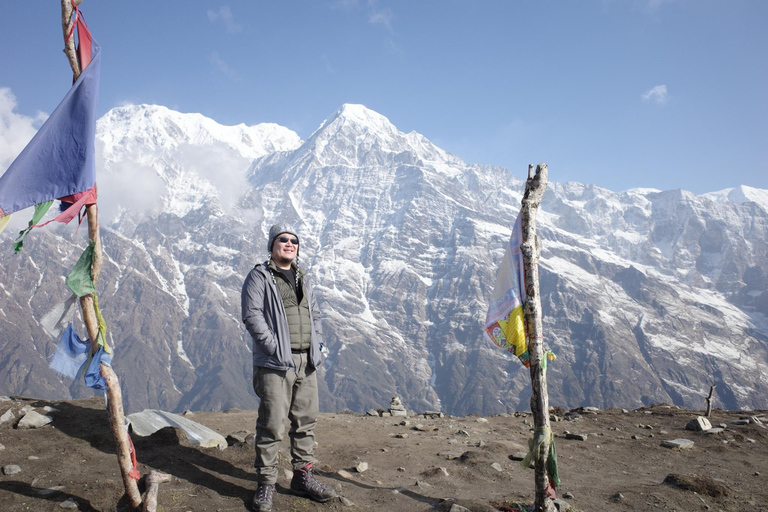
(71, 354)
(505, 322)
(59, 161)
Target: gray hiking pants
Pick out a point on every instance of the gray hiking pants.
(285, 394)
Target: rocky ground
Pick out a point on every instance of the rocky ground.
(415, 463)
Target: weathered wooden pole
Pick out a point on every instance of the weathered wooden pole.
(114, 395)
(709, 400)
(535, 187)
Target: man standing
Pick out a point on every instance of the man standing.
(280, 312)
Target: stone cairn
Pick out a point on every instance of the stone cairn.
(396, 407)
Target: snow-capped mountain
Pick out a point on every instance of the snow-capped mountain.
(648, 295)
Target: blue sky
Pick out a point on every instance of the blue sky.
(620, 93)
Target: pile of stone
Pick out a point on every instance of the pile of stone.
(396, 407)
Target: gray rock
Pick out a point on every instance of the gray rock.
(372, 412)
(250, 439)
(449, 455)
(715, 430)
(361, 467)
(401, 436)
(50, 409)
(518, 456)
(482, 420)
(398, 412)
(2, 447)
(699, 424)
(33, 419)
(346, 501)
(682, 444)
(69, 504)
(422, 483)
(7, 416)
(497, 467)
(149, 421)
(568, 495)
(11, 469)
(5, 398)
(576, 437)
(740, 422)
(24, 410)
(458, 508)
(561, 505)
(344, 474)
(591, 410)
(236, 438)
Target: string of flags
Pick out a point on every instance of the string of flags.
(59, 164)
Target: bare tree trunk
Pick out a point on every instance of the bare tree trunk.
(119, 432)
(114, 395)
(534, 191)
(154, 479)
(709, 400)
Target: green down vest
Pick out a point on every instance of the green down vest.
(299, 324)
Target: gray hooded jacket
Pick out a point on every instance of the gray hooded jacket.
(265, 319)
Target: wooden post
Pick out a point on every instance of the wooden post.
(535, 187)
(114, 395)
(709, 400)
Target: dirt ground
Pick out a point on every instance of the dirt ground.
(620, 466)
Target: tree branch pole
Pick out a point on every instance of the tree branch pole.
(709, 400)
(535, 187)
(114, 395)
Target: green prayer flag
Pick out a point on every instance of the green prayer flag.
(40, 210)
(80, 279)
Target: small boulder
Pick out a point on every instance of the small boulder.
(33, 419)
(699, 424)
(361, 467)
(69, 504)
(11, 469)
(681, 444)
(7, 416)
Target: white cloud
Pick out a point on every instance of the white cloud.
(657, 94)
(381, 17)
(224, 15)
(222, 66)
(219, 165)
(127, 185)
(16, 130)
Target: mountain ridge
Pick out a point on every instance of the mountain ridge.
(648, 296)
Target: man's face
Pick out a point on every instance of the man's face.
(284, 249)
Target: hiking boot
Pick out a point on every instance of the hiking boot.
(262, 500)
(305, 484)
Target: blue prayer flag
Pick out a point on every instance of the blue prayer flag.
(59, 161)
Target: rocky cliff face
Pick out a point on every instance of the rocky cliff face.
(648, 295)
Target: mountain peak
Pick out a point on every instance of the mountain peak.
(156, 126)
(362, 137)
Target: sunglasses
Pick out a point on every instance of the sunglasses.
(285, 240)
